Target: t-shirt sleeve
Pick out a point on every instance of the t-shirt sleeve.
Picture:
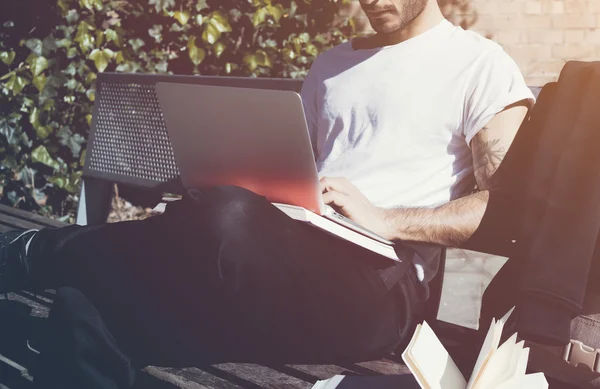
(496, 83)
(309, 96)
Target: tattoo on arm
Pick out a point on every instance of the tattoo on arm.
(487, 156)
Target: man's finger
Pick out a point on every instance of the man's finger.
(336, 199)
(338, 184)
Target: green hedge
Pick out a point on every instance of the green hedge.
(51, 53)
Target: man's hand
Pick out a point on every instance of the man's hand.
(345, 198)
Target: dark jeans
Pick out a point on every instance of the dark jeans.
(227, 278)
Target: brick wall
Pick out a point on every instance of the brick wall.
(539, 34)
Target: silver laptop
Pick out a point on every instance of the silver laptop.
(253, 138)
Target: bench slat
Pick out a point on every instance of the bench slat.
(8, 223)
(260, 376)
(320, 372)
(189, 378)
(10, 216)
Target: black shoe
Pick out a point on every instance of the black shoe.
(15, 269)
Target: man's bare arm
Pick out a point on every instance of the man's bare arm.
(453, 223)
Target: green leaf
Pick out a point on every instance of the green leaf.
(27, 104)
(40, 197)
(199, 19)
(101, 58)
(82, 157)
(111, 35)
(72, 84)
(136, 44)
(220, 22)
(119, 58)
(34, 117)
(304, 37)
(35, 45)
(288, 54)
(38, 65)
(250, 61)
(312, 50)
(16, 84)
(41, 155)
(83, 36)
(91, 4)
(219, 48)
(72, 52)
(40, 82)
(262, 59)
(87, 4)
(70, 140)
(90, 78)
(72, 16)
(99, 38)
(197, 54)
(200, 5)
(7, 75)
(211, 34)
(62, 4)
(259, 17)
(161, 67)
(71, 69)
(162, 5)
(48, 46)
(156, 32)
(182, 17)
(230, 67)
(74, 182)
(58, 181)
(276, 11)
(8, 128)
(63, 43)
(7, 57)
(43, 132)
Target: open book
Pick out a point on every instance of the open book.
(304, 215)
(497, 367)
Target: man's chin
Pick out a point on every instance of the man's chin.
(385, 28)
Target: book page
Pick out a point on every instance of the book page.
(501, 365)
(490, 344)
(430, 363)
(331, 383)
(516, 380)
(534, 381)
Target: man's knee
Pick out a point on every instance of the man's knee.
(71, 305)
(230, 208)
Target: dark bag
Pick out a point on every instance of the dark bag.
(552, 178)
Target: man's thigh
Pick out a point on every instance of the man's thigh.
(266, 286)
(233, 278)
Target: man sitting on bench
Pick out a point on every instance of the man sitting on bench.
(404, 124)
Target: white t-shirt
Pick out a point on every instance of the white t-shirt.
(397, 121)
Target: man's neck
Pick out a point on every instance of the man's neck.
(428, 19)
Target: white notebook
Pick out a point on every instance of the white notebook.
(497, 367)
(304, 215)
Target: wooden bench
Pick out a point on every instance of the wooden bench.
(129, 145)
